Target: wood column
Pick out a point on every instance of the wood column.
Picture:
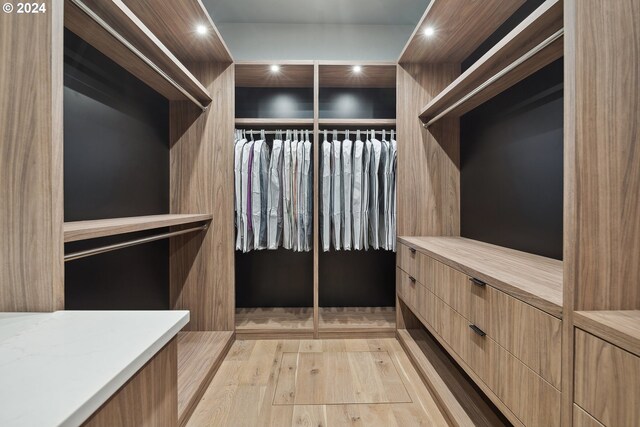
(202, 265)
(31, 144)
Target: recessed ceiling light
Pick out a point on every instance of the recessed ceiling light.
(275, 68)
(201, 29)
(357, 68)
(429, 31)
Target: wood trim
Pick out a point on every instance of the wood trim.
(31, 143)
(460, 27)
(273, 122)
(202, 273)
(148, 399)
(357, 320)
(542, 23)
(316, 200)
(200, 354)
(129, 26)
(83, 230)
(621, 328)
(357, 122)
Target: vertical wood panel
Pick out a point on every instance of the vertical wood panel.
(428, 160)
(149, 399)
(31, 144)
(316, 199)
(202, 266)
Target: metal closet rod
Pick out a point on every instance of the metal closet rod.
(87, 10)
(341, 132)
(116, 246)
(555, 36)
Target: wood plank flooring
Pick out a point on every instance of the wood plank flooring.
(320, 383)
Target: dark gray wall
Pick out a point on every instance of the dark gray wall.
(116, 163)
(512, 166)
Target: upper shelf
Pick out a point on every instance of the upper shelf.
(621, 328)
(369, 75)
(357, 122)
(459, 27)
(83, 230)
(82, 17)
(532, 45)
(288, 74)
(175, 23)
(533, 279)
(273, 122)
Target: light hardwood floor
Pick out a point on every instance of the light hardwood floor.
(341, 382)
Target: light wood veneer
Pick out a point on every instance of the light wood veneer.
(83, 230)
(582, 419)
(460, 27)
(373, 75)
(621, 328)
(606, 381)
(259, 74)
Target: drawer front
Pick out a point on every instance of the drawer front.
(531, 335)
(407, 259)
(416, 296)
(534, 401)
(606, 381)
(582, 419)
(457, 290)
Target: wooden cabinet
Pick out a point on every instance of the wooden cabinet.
(582, 419)
(512, 347)
(607, 384)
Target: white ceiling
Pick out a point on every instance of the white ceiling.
(345, 12)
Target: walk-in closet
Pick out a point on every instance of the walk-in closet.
(324, 213)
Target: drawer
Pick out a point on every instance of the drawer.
(416, 265)
(459, 292)
(531, 335)
(607, 384)
(416, 296)
(533, 400)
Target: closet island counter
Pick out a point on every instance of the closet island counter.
(534, 279)
(59, 368)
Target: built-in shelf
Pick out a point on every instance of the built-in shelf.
(357, 122)
(272, 322)
(620, 327)
(273, 122)
(532, 45)
(83, 16)
(83, 230)
(289, 74)
(533, 279)
(200, 354)
(347, 320)
(459, 27)
(368, 75)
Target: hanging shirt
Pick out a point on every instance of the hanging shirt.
(365, 194)
(274, 197)
(325, 190)
(294, 195)
(286, 195)
(374, 200)
(393, 203)
(336, 193)
(300, 200)
(247, 163)
(237, 171)
(307, 215)
(382, 192)
(356, 212)
(259, 180)
(347, 183)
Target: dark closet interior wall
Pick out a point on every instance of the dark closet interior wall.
(116, 163)
(357, 103)
(511, 147)
(274, 103)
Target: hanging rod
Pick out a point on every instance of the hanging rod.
(555, 36)
(341, 132)
(87, 10)
(116, 246)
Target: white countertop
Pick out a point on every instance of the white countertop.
(57, 368)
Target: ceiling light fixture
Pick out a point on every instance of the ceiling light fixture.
(357, 69)
(275, 68)
(201, 29)
(429, 31)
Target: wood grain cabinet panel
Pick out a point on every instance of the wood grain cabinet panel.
(531, 335)
(582, 419)
(607, 383)
(416, 296)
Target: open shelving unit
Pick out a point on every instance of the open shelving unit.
(116, 31)
(83, 230)
(532, 45)
(273, 122)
